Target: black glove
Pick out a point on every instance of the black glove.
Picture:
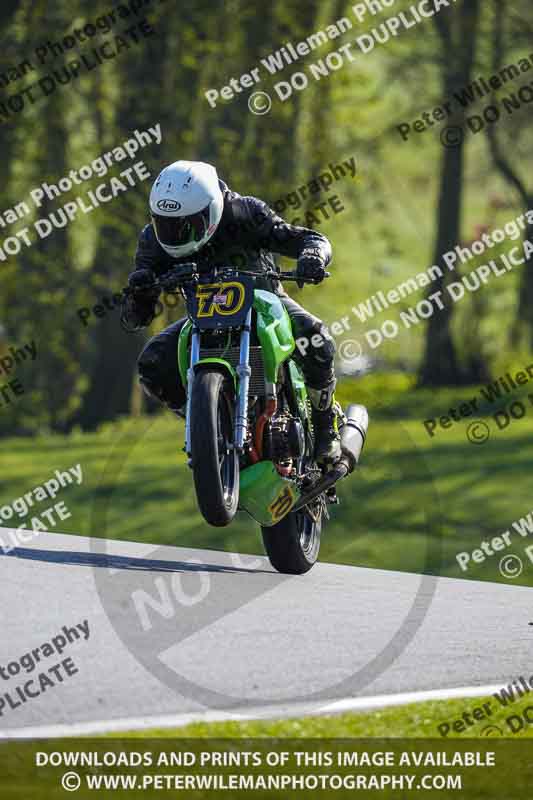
(139, 300)
(310, 267)
(141, 280)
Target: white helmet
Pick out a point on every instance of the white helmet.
(186, 205)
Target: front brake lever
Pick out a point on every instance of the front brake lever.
(178, 276)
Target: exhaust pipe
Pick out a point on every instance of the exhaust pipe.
(353, 435)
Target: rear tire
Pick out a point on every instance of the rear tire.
(215, 465)
(292, 545)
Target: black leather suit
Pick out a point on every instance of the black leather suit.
(247, 236)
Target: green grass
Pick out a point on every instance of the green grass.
(415, 502)
(417, 720)
(386, 729)
(400, 732)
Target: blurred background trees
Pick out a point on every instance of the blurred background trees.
(411, 201)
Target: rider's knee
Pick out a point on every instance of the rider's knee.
(322, 345)
(149, 368)
(159, 375)
(312, 337)
(149, 362)
(317, 356)
(151, 390)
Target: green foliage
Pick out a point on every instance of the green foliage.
(385, 233)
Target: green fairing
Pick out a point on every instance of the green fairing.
(274, 331)
(265, 495)
(183, 356)
(183, 351)
(300, 389)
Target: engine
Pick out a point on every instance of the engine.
(287, 442)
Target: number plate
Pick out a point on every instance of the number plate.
(220, 305)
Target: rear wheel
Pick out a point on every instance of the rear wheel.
(215, 463)
(292, 544)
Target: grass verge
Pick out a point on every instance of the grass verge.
(417, 720)
(413, 505)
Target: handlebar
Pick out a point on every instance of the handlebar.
(176, 279)
(291, 276)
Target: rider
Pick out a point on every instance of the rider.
(196, 217)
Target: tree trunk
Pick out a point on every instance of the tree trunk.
(522, 329)
(440, 366)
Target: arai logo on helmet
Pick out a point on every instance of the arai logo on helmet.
(169, 205)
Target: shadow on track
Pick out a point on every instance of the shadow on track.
(125, 562)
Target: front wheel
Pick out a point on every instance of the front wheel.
(215, 462)
(292, 544)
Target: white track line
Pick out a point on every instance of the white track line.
(269, 712)
(367, 703)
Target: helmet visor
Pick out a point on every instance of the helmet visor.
(176, 231)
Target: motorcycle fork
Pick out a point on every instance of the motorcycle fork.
(195, 357)
(243, 372)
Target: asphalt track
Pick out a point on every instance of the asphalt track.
(270, 644)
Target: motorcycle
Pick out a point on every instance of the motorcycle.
(248, 422)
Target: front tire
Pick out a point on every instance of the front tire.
(292, 545)
(215, 462)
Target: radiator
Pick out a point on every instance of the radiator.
(231, 354)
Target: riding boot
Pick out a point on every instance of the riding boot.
(325, 424)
